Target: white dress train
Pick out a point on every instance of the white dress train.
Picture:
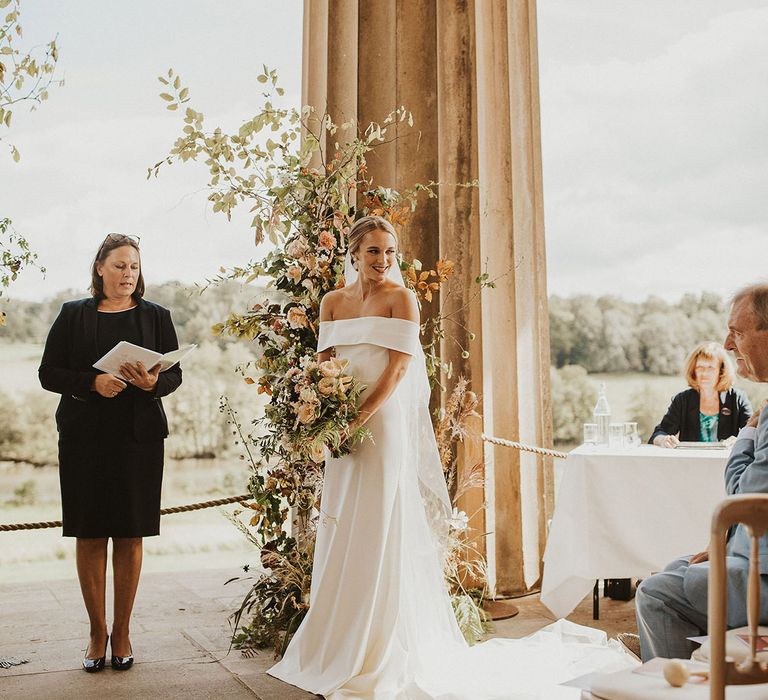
(380, 624)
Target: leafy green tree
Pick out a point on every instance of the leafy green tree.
(561, 330)
(588, 333)
(198, 427)
(666, 338)
(24, 77)
(647, 406)
(573, 399)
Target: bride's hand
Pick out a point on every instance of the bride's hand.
(346, 433)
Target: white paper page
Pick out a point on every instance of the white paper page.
(126, 352)
(171, 358)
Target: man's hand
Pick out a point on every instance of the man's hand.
(107, 385)
(138, 375)
(700, 557)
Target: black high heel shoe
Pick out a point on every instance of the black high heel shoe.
(94, 665)
(122, 663)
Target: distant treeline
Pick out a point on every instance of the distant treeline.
(608, 334)
(194, 311)
(601, 334)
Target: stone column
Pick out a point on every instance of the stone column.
(314, 65)
(342, 85)
(468, 71)
(515, 316)
(459, 224)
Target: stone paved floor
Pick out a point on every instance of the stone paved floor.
(180, 636)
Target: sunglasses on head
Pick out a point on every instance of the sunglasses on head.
(119, 238)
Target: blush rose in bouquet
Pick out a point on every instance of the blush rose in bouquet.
(319, 403)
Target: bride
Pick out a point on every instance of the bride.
(380, 624)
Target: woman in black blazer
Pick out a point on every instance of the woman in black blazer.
(111, 432)
(712, 409)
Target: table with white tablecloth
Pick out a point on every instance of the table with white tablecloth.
(626, 513)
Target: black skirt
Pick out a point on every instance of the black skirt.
(110, 483)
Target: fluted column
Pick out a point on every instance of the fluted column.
(314, 65)
(342, 86)
(459, 223)
(515, 314)
(468, 71)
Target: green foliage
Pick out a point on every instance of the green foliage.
(198, 428)
(27, 428)
(25, 494)
(15, 255)
(473, 621)
(24, 77)
(305, 190)
(647, 406)
(607, 334)
(11, 429)
(194, 311)
(573, 400)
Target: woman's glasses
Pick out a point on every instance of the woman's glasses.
(119, 238)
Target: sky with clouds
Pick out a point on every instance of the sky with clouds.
(654, 138)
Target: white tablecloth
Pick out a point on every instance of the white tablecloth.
(626, 513)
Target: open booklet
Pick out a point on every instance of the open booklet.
(128, 352)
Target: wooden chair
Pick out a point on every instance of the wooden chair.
(752, 511)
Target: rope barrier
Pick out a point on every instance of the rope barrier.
(522, 446)
(244, 497)
(164, 511)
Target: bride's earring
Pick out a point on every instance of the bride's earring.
(354, 263)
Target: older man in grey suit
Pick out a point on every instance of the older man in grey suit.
(672, 605)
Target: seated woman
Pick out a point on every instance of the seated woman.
(711, 409)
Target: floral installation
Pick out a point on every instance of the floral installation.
(304, 190)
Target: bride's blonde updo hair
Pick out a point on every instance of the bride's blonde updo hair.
(366, 225)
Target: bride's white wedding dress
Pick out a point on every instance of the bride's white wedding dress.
(380, 624)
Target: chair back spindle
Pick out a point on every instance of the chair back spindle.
(752, 511)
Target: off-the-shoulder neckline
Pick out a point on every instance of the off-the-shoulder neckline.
(360, 318)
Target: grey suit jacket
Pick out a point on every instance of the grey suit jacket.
(747, 472)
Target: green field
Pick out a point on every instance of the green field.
(20, 362)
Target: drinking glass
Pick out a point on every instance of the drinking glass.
(616, 435)
(631, 436)
(590, 433)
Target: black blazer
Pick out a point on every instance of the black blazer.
(683, 415)
(67, 369)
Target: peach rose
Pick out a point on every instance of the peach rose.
(294, 273)
(307, 395)
(296, 248)
(327, 240)
(306, 413)
(331, 368)
(326, 386)
(297, 317)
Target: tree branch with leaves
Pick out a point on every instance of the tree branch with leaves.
(25, 76)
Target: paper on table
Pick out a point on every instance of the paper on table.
(762, 641)
(128, 352)
(701, 446)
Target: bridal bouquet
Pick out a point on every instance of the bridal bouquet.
(317, 401)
